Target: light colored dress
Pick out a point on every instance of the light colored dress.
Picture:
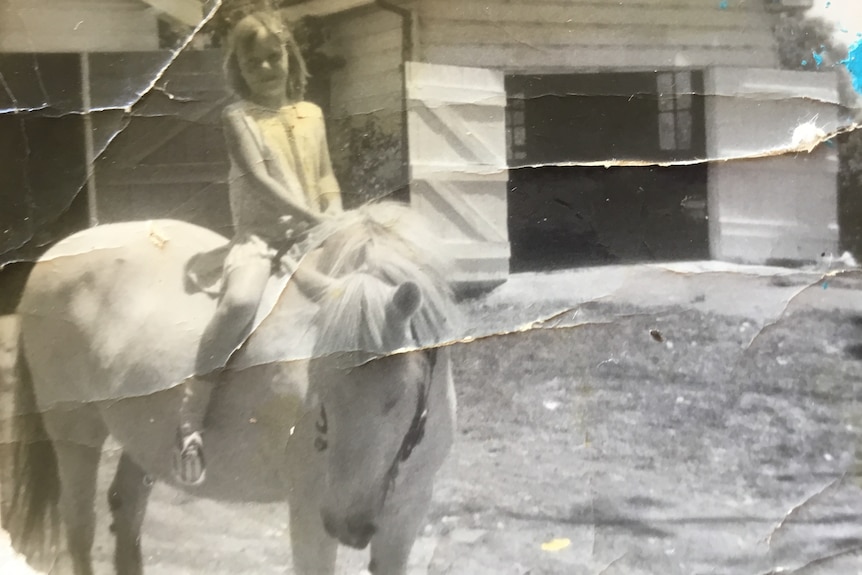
(292, 144)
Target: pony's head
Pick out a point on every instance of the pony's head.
(372, 368)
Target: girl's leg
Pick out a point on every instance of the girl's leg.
(229, 327)
(231, 323)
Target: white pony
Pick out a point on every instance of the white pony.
(351, 438)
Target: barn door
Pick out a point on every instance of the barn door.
(457, 141)
(776, 208)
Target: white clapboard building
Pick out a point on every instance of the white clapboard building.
(614, 106)
(592, 82)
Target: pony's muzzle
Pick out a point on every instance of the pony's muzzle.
(356, 531)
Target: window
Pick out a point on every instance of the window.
(516, 134)
(674, 110)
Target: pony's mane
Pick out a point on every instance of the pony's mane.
(371, 251)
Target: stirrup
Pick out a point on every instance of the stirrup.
(189, 462)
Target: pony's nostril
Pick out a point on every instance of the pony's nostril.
(368, 531)
(361, 531)
(356, 532)
(328, 524)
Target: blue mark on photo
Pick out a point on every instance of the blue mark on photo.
(853, 63)
(818, 59)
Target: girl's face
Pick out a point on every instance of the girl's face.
(263, 64)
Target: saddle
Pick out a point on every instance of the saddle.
(204, 272)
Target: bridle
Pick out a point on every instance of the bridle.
(415, 433)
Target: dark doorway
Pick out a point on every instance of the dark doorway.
(564, 215)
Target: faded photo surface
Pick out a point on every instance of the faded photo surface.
(397, 287)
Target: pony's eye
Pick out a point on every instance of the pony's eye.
(320, 444)
(322, 424)
(390, 404)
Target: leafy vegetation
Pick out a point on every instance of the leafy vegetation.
(368, 162)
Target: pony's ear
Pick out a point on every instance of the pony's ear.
(406, 300)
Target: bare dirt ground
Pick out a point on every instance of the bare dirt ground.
(673, 438)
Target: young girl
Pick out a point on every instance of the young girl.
(281, 185)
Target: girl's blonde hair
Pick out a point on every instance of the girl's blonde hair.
(244, 33)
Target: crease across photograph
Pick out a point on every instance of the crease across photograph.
(426, 287)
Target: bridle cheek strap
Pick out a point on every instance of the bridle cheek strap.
(416, 432)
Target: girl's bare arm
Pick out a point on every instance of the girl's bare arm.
(330, 192)
(248, 159)
(308, 278)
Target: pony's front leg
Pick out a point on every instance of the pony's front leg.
(390, 547)
(127, 499)
(314, 551)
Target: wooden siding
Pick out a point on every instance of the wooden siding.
(779, 208)
(77, 26)
(370, 82)
(573, 35)
(367, 91)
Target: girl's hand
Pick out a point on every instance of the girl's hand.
(315, 220)
(289, 227)
(293, 227)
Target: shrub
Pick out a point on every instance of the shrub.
(367, 160)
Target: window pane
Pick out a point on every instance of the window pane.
(683, 82)
(683, 102)
(664, 83)
(683, 90)
(665, 103)
(516, 102)
(666, 135)
(520, 136)
(683, 130)
(664, 86)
